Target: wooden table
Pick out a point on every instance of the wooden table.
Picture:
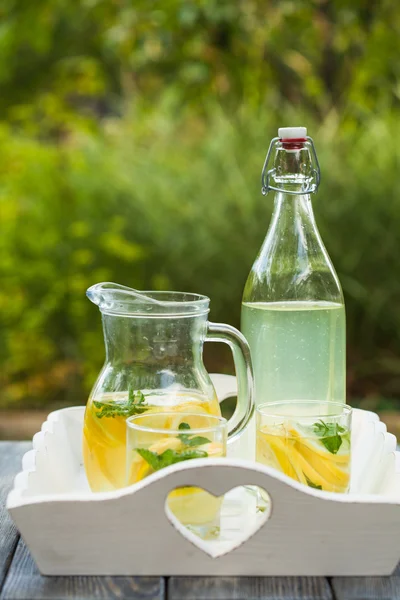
(21, 580)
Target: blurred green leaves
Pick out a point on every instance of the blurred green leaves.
(183, 212)
(132, 137)
(64, 59)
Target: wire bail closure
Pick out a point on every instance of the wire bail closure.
(266, 175)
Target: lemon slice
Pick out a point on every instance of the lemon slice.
(167, 443)
(213, 449)
(316, 447)
(193, 505)
(325, 466)
(112, 430)
(104, 459)
(194, 422)
(265, 454)
(138, 471)
(306, 472)
(281, 452)
(100, 431)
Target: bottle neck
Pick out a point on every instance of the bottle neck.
(292, 232)
(292, 222)
(292, 210)
(293, 229)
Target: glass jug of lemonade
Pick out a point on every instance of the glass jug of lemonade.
(154, 342)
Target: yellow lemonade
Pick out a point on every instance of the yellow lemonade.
(104, 434)
(317, 455)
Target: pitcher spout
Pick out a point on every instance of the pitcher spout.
(108, 293)
(102, 293)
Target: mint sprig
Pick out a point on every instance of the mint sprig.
(331, 435)
(135, 405)
(171, 457)
(168, 457)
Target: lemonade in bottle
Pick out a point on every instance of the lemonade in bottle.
(293, 313)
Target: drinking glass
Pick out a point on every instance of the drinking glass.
(158, 440)
(308, 440)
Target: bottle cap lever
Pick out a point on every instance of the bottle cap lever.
(268, 173)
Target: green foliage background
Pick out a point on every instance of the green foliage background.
(132, 136)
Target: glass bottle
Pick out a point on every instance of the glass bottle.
(293, 313)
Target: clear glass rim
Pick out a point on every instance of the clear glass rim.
(220, 423)
(178, 298)
(345, 409)
(177, 303)
(153, 303)
(120, 300)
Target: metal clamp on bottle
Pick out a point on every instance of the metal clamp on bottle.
(308, 176)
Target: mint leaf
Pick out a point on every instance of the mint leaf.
(137, 399)
(191, 441)
(330, 435)
(320, 428)
(184, 426)
(196, 440)
(168, 457)
(311, 484)
(152, 458)
(332, 443)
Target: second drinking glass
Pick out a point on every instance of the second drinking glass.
(310, 441)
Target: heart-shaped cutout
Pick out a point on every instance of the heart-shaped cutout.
(218, 524)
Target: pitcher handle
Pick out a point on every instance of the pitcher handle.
(220, 332)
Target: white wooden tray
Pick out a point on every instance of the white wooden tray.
(71, 531)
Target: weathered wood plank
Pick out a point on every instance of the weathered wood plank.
(367, 588)
(249, 588)
(10, 463)
(24, 582)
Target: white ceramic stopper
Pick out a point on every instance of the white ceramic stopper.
(290, 133)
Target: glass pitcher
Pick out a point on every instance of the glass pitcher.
(154, 343)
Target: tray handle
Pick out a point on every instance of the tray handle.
(308, 532)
